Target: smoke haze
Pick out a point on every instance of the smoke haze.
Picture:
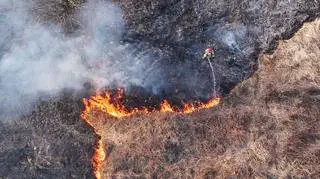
(39, 60)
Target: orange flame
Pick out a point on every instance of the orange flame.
(190, 108)
(166, 107)
(98, 159)
(112, 106)
(99, 154)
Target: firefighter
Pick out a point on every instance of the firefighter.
(208, 54)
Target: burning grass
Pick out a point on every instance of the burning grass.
(267, 128)
(113, 104)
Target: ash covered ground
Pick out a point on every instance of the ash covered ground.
(51, 50)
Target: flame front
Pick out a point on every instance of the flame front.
(190, 108)
(112, 105)
(98, 159)
(99, 154)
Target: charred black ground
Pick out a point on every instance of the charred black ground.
(179, 32)
(50, 142)
(176, 33)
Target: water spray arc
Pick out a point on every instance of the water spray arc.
(213, 79)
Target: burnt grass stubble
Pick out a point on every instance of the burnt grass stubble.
(53, 142)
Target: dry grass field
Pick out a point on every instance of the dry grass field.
(267, 128)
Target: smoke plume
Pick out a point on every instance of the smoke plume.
(39, 60)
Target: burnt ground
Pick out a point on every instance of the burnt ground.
(50, 142)
(175, 34)
(266, 127)
(178, 32)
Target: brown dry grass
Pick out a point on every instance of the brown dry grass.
(267, 128)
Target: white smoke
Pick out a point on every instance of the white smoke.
(235, 37)
(36, 59)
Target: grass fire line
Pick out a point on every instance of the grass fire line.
(111, 105)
